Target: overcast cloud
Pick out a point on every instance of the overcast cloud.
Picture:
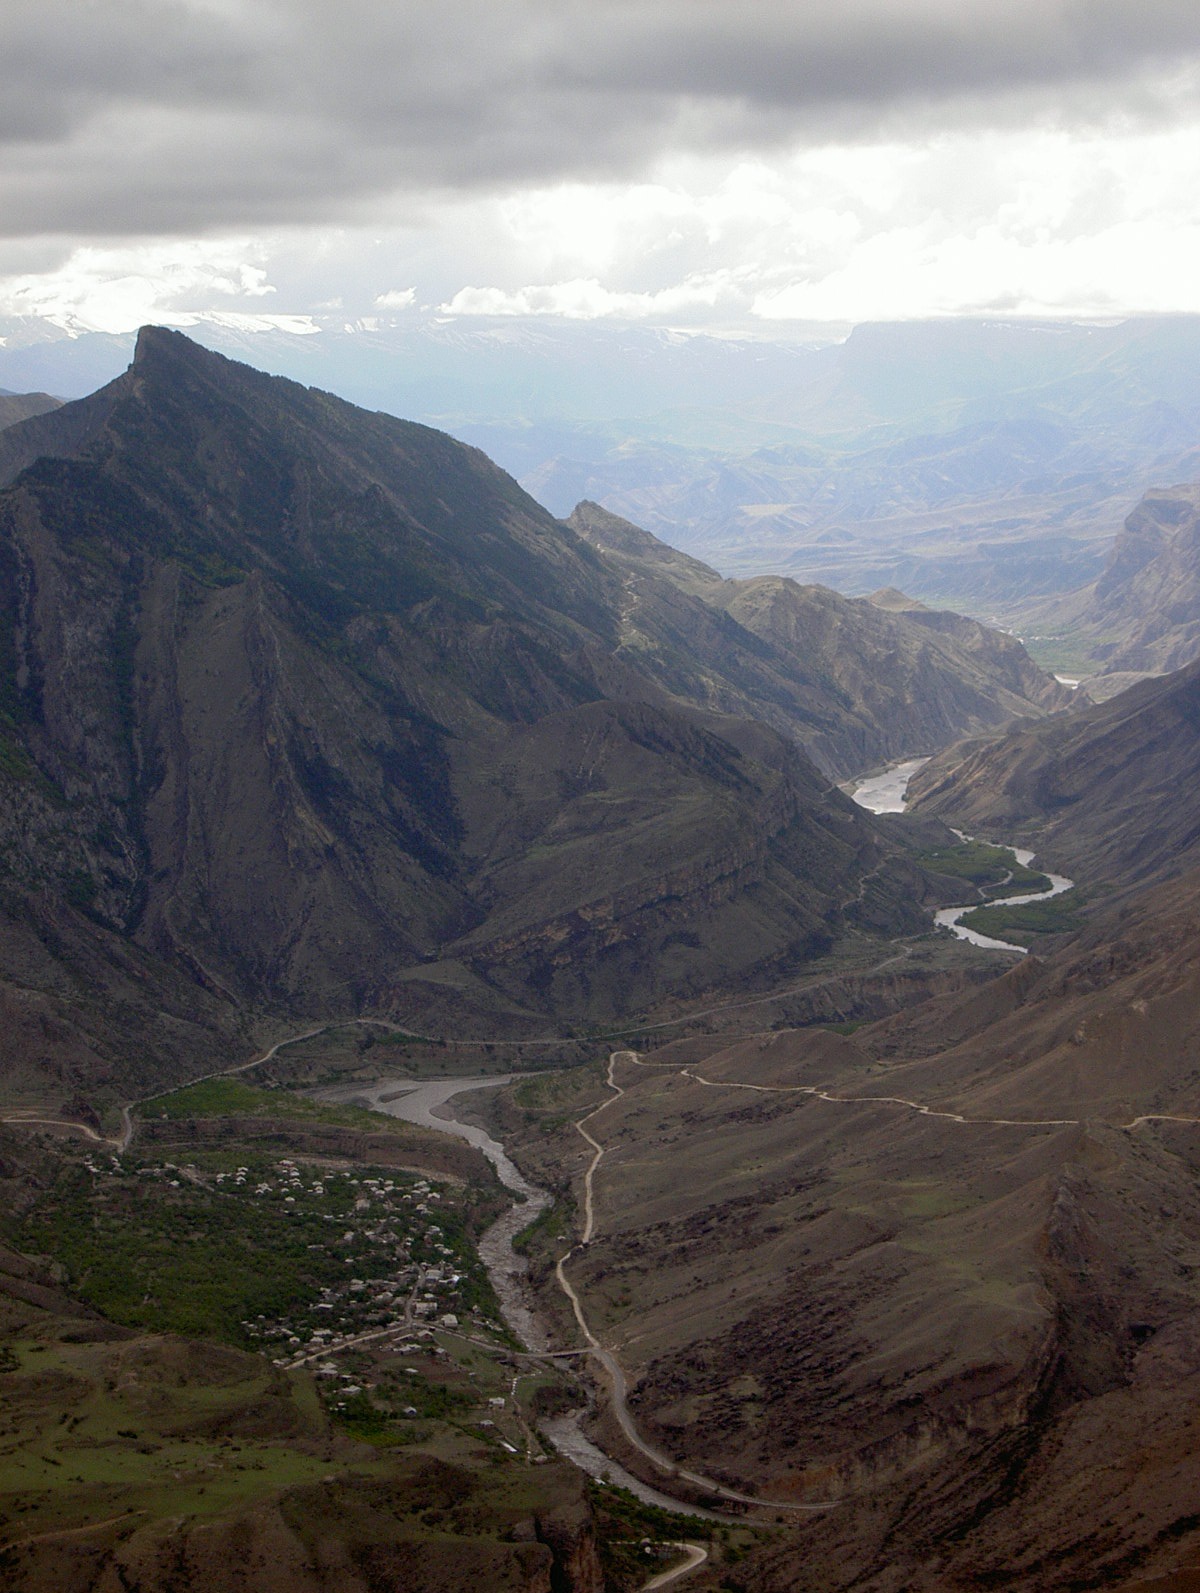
(664, 157)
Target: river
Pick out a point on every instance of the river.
(949, 917)
(888, 793)
(427, 1103)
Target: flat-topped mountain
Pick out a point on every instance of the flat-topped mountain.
(857, 682)
(320, 707)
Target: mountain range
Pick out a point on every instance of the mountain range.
(858, 682)
(308, 709)
(980, 464)
(309, 712)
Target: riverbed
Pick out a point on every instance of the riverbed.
(949, 917)
(887, 792)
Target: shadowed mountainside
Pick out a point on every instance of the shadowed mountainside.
(317, 706)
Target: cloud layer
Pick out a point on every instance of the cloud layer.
(142, 117)
(687, 161)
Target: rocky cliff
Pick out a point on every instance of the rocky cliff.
(1144, 611)
(1109, 793)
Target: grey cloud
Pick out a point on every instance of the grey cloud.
(141, 116)
(876, 53)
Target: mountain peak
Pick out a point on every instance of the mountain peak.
(149, 339)
(156, 343)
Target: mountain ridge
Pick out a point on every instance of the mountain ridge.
(320, 706)
(1109, 792)
(856, 682)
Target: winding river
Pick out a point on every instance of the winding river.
(427, 1103)
(950, 916)
(888, 792)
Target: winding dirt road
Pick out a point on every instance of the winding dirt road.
(696, 1556)
(613, 1370)
(122, 1141)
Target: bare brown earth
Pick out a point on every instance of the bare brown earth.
(943, 1273)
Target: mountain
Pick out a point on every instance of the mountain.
(980, 464)
(1142, 615)
(1109, 793)
(858, 683)
(940, 1275)
(21, 406)
(318, 708)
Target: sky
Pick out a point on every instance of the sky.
(752, 166)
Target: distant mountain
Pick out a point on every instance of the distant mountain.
(1143, 613)
(20, 406)
(320, 708)
(857, 682)
(980, 464)
(1111, 793)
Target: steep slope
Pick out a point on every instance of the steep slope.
(1143, 613)
(857, 683)
(942, 1272)
(319, 707)
(1111, 793)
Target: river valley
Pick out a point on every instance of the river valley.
(887, 793)
(430, 1104)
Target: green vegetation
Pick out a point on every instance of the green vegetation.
(1067, 653)
(14, 762)
(80, 889)
(398, 1411)
(231, 1097)
(553, 1091)
(626, 1526)
(552, 1226)
(174, 1250)
(160, 1428)
(988, 867)
(1023, 925)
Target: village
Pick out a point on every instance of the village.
(388, 1308)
